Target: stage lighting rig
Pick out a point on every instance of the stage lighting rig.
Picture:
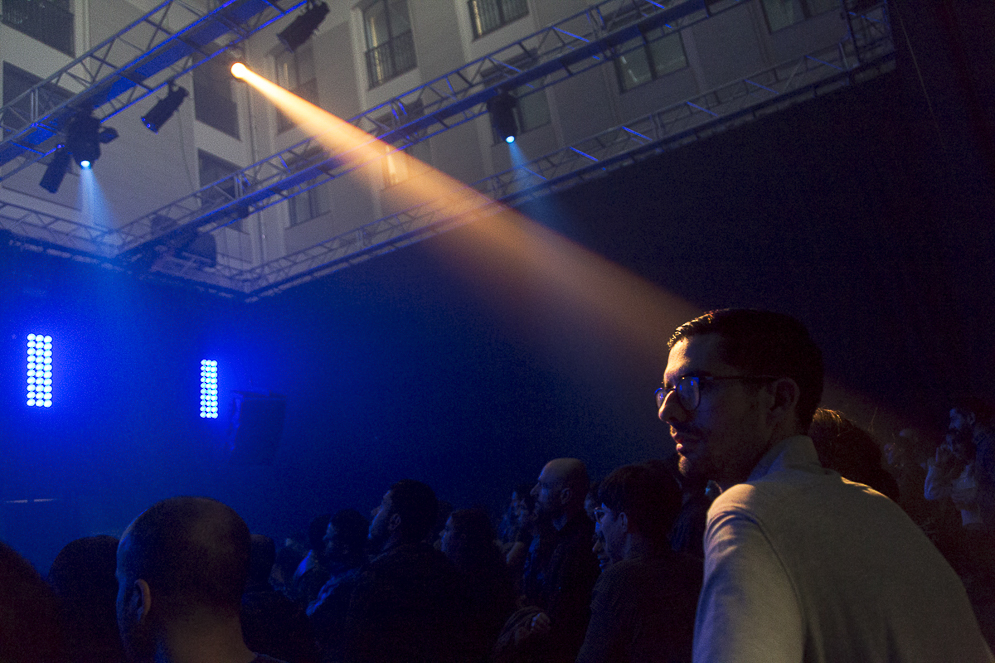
(84, 136)
(302, 27)
(501, 108)
(165, 107)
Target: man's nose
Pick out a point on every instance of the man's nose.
(671, 408)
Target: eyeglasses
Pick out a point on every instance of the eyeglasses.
(688, 388)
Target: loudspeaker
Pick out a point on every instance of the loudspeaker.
(255, 427)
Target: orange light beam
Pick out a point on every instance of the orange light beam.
(519, 254)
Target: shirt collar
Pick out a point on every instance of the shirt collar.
(796, 452)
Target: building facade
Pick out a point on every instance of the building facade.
(364, 55)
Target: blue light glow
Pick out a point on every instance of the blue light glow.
(509, 139)
(39, 373)
(208, 389)
(84, 164)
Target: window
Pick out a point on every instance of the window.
(315, 201)
(309, 205)
(212, 169)
(649, 61)
(489, 15)
(15, 83)
(532, 110)
(295, 72)
(39, 370)
(48, 21)
(212, 97)
(782, 13)
(390, 48)
(401, 165)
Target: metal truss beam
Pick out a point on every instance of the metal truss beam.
(57, 230)
(678, 125)
(576, 44)
(127, 67)
(571, 46)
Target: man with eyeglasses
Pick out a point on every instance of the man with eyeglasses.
(800, 565)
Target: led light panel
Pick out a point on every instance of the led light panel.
(39, 370)
(208, 389)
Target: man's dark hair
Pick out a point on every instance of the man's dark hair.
(649, 496)
(980, 408)
(524, 492)
(82, 576)
(847, 448)
(765, 343)
(351, 528)
(316, 531)
(471, 547)
(192, 551)
(29, 613)
(416, 504)
(262, 558)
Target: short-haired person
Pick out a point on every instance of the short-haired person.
(404, 608)
(561, 569)
(800, 565)
(181, 569)
(643, 605)
(345, 554)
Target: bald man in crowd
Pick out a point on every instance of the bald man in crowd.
(181, 569)
(561, 569)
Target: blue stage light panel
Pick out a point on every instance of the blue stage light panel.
(39, 372)
(208, 389)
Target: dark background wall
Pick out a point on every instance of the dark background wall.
(432, 362)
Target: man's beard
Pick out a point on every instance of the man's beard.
(691, 469)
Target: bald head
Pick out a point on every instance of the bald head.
(193, 552)
(561, 488)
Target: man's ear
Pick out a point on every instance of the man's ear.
(565, 495)
(786, 394)
(623, 521)
(393, 522)
(141, 600)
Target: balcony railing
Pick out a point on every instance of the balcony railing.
(489, 15)
(45, 21)
(390, 59)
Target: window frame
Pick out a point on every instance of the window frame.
(50, 96)
(33, 25)
(307, 89)
(807, 13)
(473, 7)
(401, 43)
(209, 79)
(645, 48)
(227, 168)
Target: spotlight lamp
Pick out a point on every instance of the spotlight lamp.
(501, 108)
(302, 27)
(84, 136)
(164, 108)
(56, 170)
(83, 139)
